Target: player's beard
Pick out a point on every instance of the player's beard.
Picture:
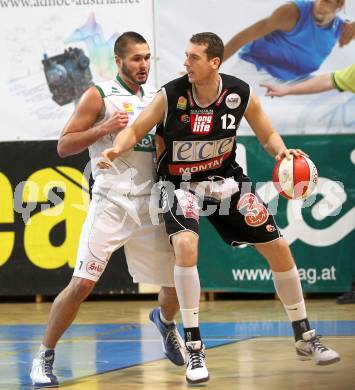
(131, 77)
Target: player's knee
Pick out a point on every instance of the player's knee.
(80, 288)
(282, 245)
(186, 245)
(278, 255)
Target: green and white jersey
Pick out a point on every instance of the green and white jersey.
(134, 172)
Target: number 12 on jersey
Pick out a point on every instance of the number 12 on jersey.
(228, 122)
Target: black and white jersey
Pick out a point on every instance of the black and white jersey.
(200, 140)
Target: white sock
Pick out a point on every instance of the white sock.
(289, 289)
(187, 284)
(296, 312)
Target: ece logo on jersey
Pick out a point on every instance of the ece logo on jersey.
(203, 155)
(233, 101)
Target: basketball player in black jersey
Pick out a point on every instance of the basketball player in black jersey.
(198, 116)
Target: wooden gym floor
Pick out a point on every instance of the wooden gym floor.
(112, 345)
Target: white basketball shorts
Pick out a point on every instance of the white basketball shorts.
(109, 226)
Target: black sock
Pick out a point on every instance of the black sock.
(299, 327)
(192, 334)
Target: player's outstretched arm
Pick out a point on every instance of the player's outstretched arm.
(266, 134)
(128, 138)
(283, 18)
(316, 84)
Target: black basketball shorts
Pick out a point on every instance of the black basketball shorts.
(241, 218)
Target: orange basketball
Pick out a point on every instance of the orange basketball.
(295, 178)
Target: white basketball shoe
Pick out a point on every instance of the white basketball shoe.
(196, 371)
(42, 370)
(311, 348)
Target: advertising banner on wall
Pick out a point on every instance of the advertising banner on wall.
(51, 51)
(305, 49)
(44, 201)
(43, 204)
(320, 230)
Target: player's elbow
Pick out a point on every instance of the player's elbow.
(62, 150)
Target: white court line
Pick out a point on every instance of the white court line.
(108, 340)
(261, 338)
(250, 338)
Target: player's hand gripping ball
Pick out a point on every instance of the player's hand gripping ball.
(295, 178)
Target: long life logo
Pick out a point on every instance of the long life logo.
(201, 121)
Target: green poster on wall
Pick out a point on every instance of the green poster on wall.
(319, 230)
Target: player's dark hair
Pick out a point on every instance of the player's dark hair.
(124, 40)
(215, 46)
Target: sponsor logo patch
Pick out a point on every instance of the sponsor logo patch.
(270, 228)
(201, 121)
(182, 169)
(188, 203)
(203, 155)
(255, 213)
(94, 268)
(233, 101)
(201, 150)
(185, 118)
(128, 107)
(182, 102)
